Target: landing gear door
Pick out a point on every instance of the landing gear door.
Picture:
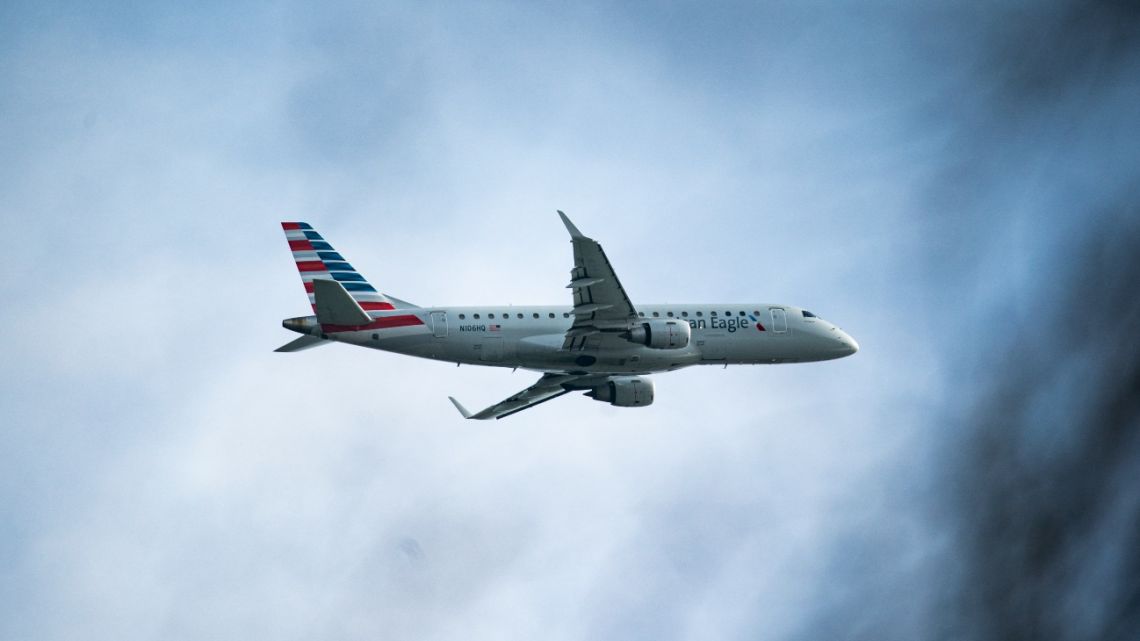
(779, 320)
(439, 324)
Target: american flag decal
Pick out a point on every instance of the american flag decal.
(493, 328)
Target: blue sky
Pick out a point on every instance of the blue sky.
(908, 172)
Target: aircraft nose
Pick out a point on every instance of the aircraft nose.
(849, 344)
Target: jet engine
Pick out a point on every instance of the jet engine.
(624, 391)
(662, 333)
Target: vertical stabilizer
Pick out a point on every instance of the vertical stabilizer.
(317, 260)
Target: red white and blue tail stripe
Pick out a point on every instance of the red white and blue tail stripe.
(316, 259)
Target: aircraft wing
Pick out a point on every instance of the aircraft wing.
(600, 302)
(548, 387)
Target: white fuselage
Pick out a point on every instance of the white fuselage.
(532, 337)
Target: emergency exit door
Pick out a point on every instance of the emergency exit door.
(439, 324)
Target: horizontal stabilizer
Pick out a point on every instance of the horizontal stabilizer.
(400, 304)
(303, 343)
(335, 306)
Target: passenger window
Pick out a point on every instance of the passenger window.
(755, 313)
(728, 313)
(669, 314)
(475, 316)
(520, 315)
(536, 314)
(656, 314)
(565, 314)
(684, 314)
(741, 313)
(490, 315)
(552, 314)
(700, 314)
(641, 314)
(375, 337)
(462, 316)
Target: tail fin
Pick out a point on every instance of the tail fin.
(317, 260)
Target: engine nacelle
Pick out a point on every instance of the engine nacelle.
(662, 333)
(624, 391)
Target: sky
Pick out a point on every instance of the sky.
(955, 185)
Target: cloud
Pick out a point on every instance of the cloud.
(166, 474)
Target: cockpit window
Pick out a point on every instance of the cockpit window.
(808, 314)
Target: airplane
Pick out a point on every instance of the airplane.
(602, 344)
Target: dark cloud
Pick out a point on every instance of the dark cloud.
(1030, 510)
(1022, 142)
(1047, 51)
(1044, 498)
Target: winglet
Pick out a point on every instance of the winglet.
(574, 233)
(459, 406)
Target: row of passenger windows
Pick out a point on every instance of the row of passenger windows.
(699, 314)
(506, 315)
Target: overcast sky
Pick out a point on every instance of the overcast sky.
(938, 179)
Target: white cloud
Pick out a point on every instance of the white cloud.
(173, 477)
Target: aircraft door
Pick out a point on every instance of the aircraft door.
(439, 324)
(779, 320)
